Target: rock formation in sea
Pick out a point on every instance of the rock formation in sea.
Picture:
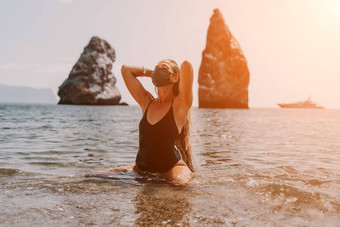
(91, 81)
(223, 76)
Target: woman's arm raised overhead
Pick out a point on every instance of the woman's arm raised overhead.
(135, 87)
(185, 84)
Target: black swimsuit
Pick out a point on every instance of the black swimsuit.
(157, 150)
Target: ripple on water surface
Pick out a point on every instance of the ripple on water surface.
(254, 167)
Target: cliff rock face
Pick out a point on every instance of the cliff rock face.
(91, 81)
(223, 76)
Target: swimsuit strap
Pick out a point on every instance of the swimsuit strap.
(149, 104)
(146, 110)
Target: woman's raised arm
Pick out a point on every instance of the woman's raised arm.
(135, 87)
(185, 84)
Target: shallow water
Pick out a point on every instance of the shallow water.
(254, 167)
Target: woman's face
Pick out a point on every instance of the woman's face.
(166, 64)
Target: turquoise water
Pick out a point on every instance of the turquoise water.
(253, 167)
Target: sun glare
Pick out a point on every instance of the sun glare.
(327, 13)
(334, 7)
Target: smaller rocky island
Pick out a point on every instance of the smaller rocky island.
(91, 81)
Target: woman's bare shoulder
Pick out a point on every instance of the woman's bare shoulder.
(149, 98)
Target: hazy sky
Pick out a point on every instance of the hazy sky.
(292, 46)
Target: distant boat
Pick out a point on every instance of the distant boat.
(303, 104)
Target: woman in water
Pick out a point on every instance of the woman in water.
(164, 128)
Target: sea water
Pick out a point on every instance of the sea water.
(253, 167)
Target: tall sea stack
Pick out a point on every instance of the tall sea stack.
(223, 76)
(91, 81)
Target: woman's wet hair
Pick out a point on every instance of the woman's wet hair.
(183, 141)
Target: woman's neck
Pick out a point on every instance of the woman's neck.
(165, 94)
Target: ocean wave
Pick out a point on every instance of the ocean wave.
(9, 172)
